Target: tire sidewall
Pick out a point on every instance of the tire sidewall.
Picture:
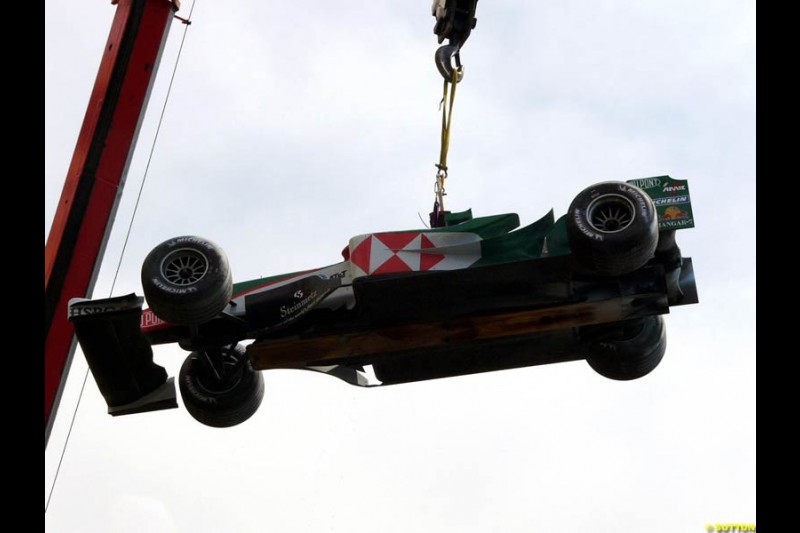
(218, 405)
(152, 267)
(187, 304)
(613, 252)
(632, 357)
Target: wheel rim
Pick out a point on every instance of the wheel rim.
(184, 267)
(213, 381)
(610, 213)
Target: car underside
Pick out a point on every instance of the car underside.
(475, 296)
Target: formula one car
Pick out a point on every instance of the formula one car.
(476, 295)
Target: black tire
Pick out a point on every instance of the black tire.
(612, 228)
(633, 356)
(221, 402)
(187, 280)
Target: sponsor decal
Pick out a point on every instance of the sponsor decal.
(671, 199)
(85, 310)
(646, 183)
(673, 212)
(298, 307)
(284, 304)
(150, 320)
(335, 275)
(675, 224)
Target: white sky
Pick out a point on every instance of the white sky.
(295, 125)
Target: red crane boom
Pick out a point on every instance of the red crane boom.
(96, 177)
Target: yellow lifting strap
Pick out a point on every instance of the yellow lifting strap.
(447, 116)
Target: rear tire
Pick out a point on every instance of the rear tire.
(612, 228)
(630, 357)
(221, 402)
(187, 280)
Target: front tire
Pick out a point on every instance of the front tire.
(220, 389)
(187, 280)
(612, 228)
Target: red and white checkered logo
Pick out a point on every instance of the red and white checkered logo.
(412, 251)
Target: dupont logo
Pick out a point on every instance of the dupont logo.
(646, 183)
(149, 319)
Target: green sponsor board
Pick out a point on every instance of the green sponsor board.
(672, 201)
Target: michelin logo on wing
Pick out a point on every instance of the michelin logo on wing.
(671, 200)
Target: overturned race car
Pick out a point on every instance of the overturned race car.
(476, 295)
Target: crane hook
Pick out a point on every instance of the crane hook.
(443, 58)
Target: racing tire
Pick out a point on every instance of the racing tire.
(221, 402)
(612, 228)
(633, 356)
(187, 280)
